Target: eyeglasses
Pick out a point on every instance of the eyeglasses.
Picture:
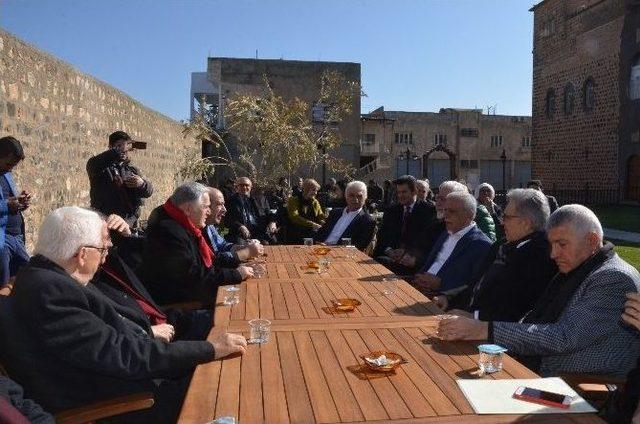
(103, 250)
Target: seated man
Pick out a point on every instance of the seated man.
(408, 231)
(458, 254)
(304, 212)
(69, 345)
(246, 219)
(575, 326)
(177, 263)
(518, 271)
(117, 280)
(353, 221)
(227, 254)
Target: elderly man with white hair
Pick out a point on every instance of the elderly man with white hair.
(70, 345)
(177, 263)
(575, 326)
(352, 222)
(459, 252)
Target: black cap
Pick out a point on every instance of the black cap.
(117, 136)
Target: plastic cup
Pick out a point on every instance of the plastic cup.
(260, 330)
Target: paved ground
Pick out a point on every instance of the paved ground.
(622, 235)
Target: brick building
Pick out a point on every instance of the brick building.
(586, 98)
(458, 143)
(288, 78)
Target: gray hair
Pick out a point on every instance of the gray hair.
(467, 200)
(65, 230)
(453, 186)
(423, 183)
(580, 218)
(188, 193)
(530, 204)
(489, 186)
(356, 185)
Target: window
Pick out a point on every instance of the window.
(526, 141)
(569, 99)
(589, 95)
(550, 103)
(496, 140)
(634, 80)
(404, 138)
(469, 164)
(548, 28)
(368, 139)
(440, 140)
(469, 132)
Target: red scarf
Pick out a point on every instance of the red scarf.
(177, 214)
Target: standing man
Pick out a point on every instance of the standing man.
(537, 185)
(13, 254)
(116, 186)
(245, 219)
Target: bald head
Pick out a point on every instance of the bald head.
(217, 206)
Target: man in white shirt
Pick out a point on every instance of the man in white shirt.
(351, 222)
(459, 251)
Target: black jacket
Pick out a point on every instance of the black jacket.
(360, 229)
(423, 229)
(107, 195)
(69, 345)
(236, 217)
(30, 410)
(172, 268)
(512, 283)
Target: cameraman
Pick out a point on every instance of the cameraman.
(116, 186)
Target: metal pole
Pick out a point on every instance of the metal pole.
(503, 157)
(408, 153)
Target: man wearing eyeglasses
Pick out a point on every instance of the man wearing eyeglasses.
(245, 219)
(70, 345)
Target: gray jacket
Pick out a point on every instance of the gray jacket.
(589, 336)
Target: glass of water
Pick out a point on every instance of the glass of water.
(308, 241)
(490, 360)
(346, 242)
(231, 295)
(388, 286)
(260, 329)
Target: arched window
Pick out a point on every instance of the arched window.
(589, 95)
(550, 103)
(634, 79)
(569, 99)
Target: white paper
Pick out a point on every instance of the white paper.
(496, 396)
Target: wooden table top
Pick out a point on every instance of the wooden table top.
(310, 371)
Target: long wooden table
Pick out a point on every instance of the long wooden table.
(309, 370)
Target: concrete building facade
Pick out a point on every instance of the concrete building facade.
(452, 143)
(586, 98)
(226, 77)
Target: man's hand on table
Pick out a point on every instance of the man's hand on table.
(245, 272)
(441, 302)
(454, 327)
(408, 261)
(227, 344)
(427, 281)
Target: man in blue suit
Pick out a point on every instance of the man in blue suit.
(458, 254)
(13, 254)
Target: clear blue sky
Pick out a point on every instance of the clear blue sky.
(417, 55)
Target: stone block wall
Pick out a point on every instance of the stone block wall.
(578, 149)
(62, 117)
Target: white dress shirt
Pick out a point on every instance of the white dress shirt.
(341, 226)
(447, 248)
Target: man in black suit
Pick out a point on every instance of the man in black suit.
(245, 219)
(408, 231)
(69, 345)
(352, 222)
(177, 262)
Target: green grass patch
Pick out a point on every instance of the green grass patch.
(628, 251)
(619, 217)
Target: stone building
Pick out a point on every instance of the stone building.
(288, 78)
(453, 143)
(586, 98)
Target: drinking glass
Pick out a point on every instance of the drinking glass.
(231, 295)
(388, 286)
(260, 329)
(346, 242)
(308, 241)
(490, 360)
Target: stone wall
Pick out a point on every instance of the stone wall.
(577, 148)
(62, 117)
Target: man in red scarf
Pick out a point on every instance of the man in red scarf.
(177, 263)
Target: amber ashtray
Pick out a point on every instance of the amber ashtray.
(383, 360)
(321, 250)
(313, 265)
(345, 305)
